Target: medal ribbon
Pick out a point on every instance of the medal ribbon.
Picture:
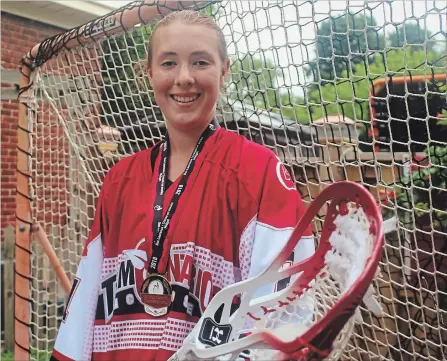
(160, 226)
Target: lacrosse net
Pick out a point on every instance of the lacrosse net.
(333, 93)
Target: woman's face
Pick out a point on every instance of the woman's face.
(186, 73)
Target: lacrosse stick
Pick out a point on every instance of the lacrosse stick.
(313, 318)
(54, 260)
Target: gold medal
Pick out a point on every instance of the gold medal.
(156, 295)
(156, 292)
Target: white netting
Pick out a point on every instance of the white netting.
(339, 91)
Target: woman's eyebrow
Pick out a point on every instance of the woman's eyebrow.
(195, 53)
(200, 53)
(168, 53)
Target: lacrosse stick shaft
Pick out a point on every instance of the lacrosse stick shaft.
(54, 260)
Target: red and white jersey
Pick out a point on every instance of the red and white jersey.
(238, 210)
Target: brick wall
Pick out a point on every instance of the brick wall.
(19, 35)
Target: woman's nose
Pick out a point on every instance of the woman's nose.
(184, 76)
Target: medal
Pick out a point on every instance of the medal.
(156, 292)
(156, 295)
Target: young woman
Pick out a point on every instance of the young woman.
(178, 222)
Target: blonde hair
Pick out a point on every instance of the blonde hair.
(190, 17)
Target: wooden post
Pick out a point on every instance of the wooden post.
(8, 287)
(23, 222)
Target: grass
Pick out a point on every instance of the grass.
(7, 356)
(41, 356)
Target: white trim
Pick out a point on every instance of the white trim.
(255, 218)
(275, 228)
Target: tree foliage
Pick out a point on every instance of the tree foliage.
(412, 34)
(422, 196)
(343, 41)
(255, 80)
(350, 95)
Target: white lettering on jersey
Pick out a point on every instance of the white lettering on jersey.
(116, 282)
(184, 271)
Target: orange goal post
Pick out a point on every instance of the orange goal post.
(339, 90)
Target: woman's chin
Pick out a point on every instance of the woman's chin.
(186, 122)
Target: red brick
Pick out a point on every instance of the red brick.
(8, 105)
(7, 192)
(10, 123)
(19, 35)
(8, 132)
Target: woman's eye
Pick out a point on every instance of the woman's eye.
(167, 64)
(201, 63)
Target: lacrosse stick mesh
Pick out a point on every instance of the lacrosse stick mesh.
(339, 90)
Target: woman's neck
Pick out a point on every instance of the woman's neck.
(181, 143)
(181, 146)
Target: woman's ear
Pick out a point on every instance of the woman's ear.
(149, 73)
(225, 72)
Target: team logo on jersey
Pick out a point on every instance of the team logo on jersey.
(192, 286)
(284, 177)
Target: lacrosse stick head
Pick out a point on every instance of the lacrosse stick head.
(312, 318)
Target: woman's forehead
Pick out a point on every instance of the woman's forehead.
(194, 38)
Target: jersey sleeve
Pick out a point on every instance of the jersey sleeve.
(279, 209)
(75, 337)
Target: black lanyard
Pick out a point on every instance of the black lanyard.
(160, 227)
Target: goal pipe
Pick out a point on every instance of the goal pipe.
(118, 21)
